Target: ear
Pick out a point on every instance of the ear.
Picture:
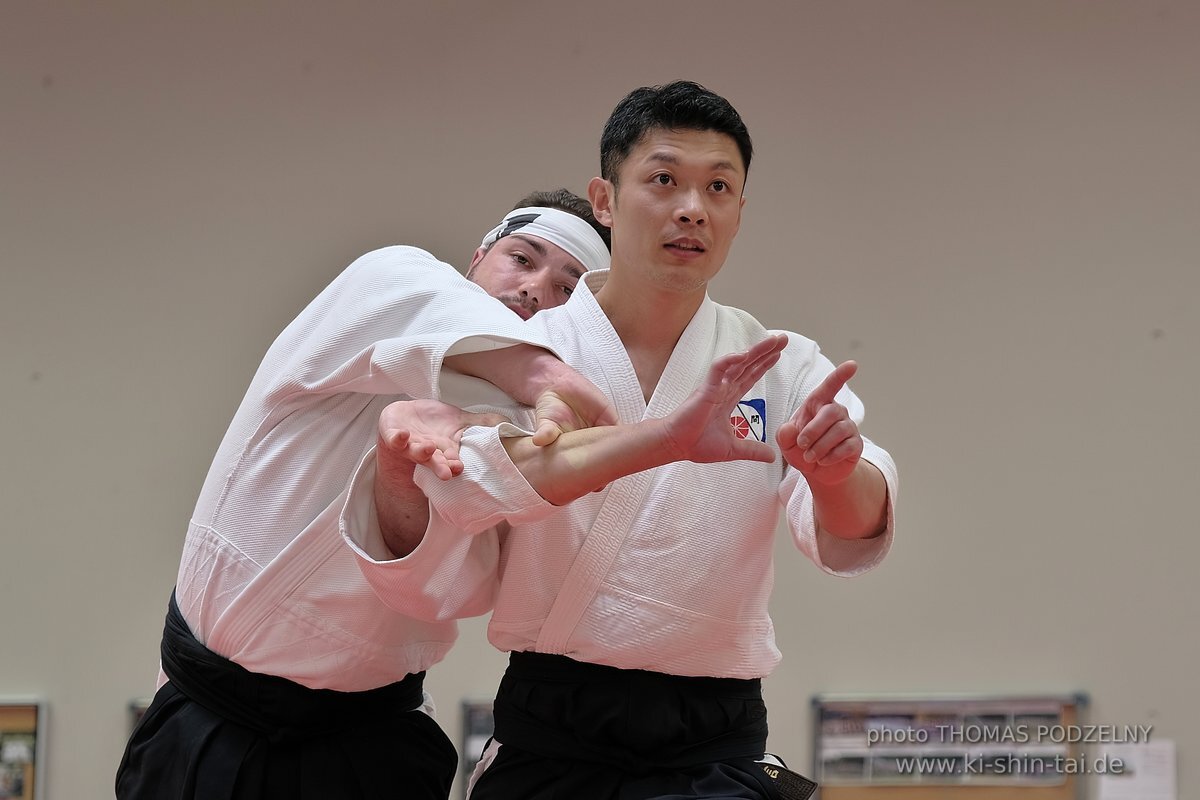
(603, 196)
(741, 205)
(480, 252)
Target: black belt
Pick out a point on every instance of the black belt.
(271, 706)
(635, 720)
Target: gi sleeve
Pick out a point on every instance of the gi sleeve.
(490, 490)
(450, 574)
(384, 326)
(842, 557)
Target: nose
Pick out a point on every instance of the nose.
(691, 209)
(535, 291)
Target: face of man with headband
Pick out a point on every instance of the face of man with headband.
(534, 257)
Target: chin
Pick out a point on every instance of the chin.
(680, 280)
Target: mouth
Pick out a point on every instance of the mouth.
(520, 310)
(685, 246)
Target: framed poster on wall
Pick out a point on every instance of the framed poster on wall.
(477, 727)
(22, 741)
(137, 709)
(947, 748)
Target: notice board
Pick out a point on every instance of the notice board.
(22, 739)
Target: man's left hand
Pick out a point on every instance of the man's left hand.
(820, 440)
(567, 401)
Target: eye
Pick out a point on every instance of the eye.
(521, 259)
(662, 179)
(720, 186)
(567, 290)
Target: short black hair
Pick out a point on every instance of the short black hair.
(568, 201)
(676, 106)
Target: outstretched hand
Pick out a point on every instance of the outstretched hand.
(424, 432)
(700, 430)
(820, 440)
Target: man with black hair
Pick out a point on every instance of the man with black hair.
(633, 564)
(282, 673)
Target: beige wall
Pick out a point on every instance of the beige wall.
(993, 206)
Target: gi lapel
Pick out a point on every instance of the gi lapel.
(619, 513)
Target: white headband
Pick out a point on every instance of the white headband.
(568, 231)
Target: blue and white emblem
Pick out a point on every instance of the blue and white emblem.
(749, 419)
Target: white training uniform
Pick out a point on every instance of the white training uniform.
(265, 579)
(669, 569)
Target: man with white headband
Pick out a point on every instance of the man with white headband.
(282, 674)
(529, 229)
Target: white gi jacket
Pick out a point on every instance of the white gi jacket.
(265, 579)
(667, 570)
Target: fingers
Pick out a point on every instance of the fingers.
(399, 443)
(739, 371)
(599, 409)
(608, 416)
(583, 398)
(763, 356)
(771, 344)
(769, 347)
(442, 461)
(570, 406)
(439, 456)
(754, 370)
(427, 432)
(443, 467)
(393, 438)
(823, 396)
(832, 444)
(828, 439)
(833, 383)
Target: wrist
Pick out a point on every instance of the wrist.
(667, 448)
(855, 507)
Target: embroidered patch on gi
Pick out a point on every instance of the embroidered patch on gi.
(749, 420)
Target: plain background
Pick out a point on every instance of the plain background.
(993, 206)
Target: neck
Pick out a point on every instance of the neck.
(647, 316)
(649, 320)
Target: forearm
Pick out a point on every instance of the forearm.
(856, 508)
(580, 462)
(522, 371)
(403, 512)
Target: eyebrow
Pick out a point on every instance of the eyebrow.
(669, 158)
(529, 240)
(540, 247)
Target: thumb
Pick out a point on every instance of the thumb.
(785, 437)
(747, 450)
(547, 433)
